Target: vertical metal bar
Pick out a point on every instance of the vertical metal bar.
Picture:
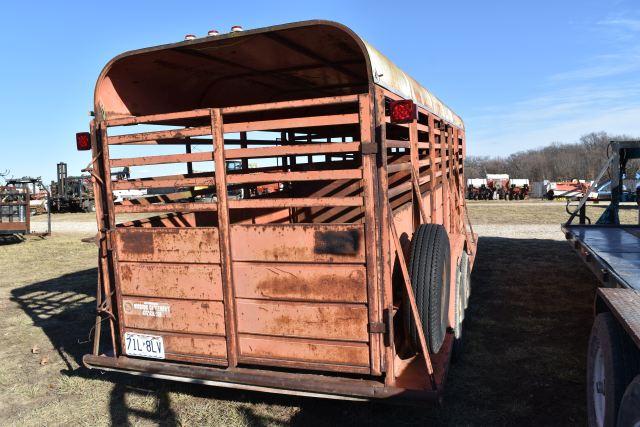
(224, 232)
(246, 189)
(368, 179)
(102, 196)
(413, 156)
(432, 169)
(27, 210)
(384, 214)
(189, 164)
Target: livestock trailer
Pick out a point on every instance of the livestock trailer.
(349, 281)
(612, 251)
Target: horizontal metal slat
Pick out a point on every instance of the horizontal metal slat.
(290, 150)
(135, 120)
(291, 104)
(166, 207)
(163, 182)
(302, 202)
(327, 175)
(162, 159)
(300, 122)
(157, 135)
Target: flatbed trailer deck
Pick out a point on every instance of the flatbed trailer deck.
(612, 251)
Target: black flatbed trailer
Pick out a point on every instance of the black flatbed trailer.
(612, 251)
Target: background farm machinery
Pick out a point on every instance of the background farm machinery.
(20, 198)
(75, 193)
(497, 187)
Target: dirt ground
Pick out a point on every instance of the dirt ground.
(524, 359)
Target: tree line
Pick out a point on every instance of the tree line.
(555, 162)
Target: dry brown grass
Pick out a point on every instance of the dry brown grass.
(526, 331)
(539, 212)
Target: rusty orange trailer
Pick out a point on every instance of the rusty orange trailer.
(349, 282)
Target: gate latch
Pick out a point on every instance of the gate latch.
(377, 328)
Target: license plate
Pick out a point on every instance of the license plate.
(143, 345)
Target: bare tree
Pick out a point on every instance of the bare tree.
(555, 162)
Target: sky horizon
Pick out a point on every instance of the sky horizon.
(521, 76)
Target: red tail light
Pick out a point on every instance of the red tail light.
(83, 141)
(403, 111)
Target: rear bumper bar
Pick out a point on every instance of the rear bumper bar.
(310, 385)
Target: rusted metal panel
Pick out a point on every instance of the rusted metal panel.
(197, 245)
(182, 346)
(298, 243)
(172, 315)
(180, 281)
(300, 282)
(305, 350)
(14, 226)
(347, 322)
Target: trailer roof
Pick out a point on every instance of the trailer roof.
(282, 62)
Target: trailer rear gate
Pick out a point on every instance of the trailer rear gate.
(296, 296)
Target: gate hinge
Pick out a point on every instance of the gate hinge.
(369, 148)
(377, 327)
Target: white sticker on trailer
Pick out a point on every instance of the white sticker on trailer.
(143, 345)
(148, 308)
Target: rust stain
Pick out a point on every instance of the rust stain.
(337, 242)
(329, 286)
(137, 243)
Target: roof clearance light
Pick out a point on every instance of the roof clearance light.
(189, 37)
(213, 33)
(403, 111)
(236, 29)
(83, 141)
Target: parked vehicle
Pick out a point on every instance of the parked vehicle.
(611, 251)
(567, 189)
(518, 189)
(71, 193)
(350, 281)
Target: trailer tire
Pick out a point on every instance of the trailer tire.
(430, 270)
(629, 412)
(610, 368)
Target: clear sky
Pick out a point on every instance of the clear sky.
(520, 73)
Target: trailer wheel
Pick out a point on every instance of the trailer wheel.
(466, 277)
(629, 413)
(430, 270)
(610, 367)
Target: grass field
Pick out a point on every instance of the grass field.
(524, 362)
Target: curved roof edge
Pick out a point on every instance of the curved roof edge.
(388, 75)
(381, 70)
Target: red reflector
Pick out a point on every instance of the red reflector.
(83, 141)
(402, 111)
